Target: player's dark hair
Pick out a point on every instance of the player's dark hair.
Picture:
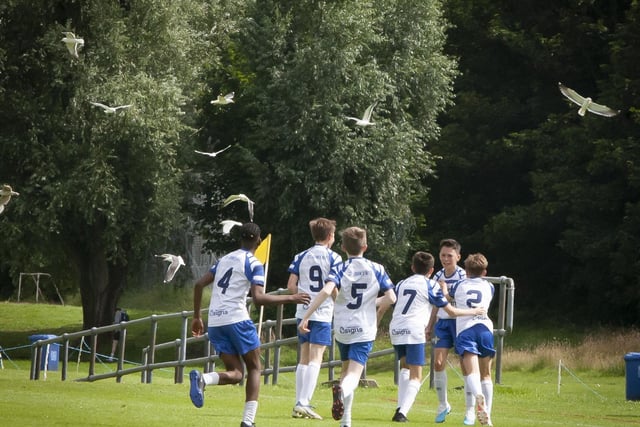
(250, 235)
(422, 262)
(451, 243)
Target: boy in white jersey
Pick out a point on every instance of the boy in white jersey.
(306, 274)
(474, 340)
(445, 326)
(355, 323)
(415, 297)
(230, 328)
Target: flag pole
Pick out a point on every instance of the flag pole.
(264, 258)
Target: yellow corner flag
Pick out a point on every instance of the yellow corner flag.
(263, 250)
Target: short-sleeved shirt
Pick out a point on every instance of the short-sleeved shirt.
(455, 277)
(312, 267)
(233, 276)
(416, 296)
(359, 282)
(470, 293)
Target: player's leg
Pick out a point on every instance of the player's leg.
(301, 370)
(445, 333)
(252, 387)
(414, 361)
(403, 380)
(486, 384)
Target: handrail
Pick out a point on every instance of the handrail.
(503, 326)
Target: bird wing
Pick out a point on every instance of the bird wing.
(234, 198)
(228, 224)
(206, 154)
(69, 34)
(176, 262)
(571, 94)
(368, 112)
(122, 106)
(602, 110)
(352, 118)
(97, 104)
(225, 148)
(229, 97)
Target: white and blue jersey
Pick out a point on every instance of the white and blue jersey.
(416, 296)
(455, 277)
(471, 293)
(359, 282)
(312, 267)
(233, 276)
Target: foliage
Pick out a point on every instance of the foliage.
(294, 153)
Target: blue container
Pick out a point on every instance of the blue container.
(53, 351)
(632, 374)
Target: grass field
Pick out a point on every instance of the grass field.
(592, 390)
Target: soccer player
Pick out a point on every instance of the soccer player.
(445, 326)
(355, 323)
(474, 340)
(230, 328)
(416, 296)
(306, 274)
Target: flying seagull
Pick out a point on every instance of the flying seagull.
(109, 110)
(242, 198)
(366, 118)
(228, 224)
(5, 195)
(226, 99)
(215, 153)
(587, 104)
(176, 261)
(72, 42)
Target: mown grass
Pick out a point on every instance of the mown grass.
(591, 393)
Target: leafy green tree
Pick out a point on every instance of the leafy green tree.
(298, 68)
(98, 191)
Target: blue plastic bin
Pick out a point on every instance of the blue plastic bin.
(54, 352)
(632, 374)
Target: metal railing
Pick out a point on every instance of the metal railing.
(271, 348)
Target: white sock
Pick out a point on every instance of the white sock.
(413, 387)
(469, 398)
(300, 372)
(348, 404)
(309, 383)
(211, 378)
(403, 382)
(250, 410)
(487, 391)
(473, 384)
(349, 385)
(440, 384)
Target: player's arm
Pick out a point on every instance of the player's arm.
(455, 311)
(197, 327)
(292, 284)
(384, 302)
(262, 298)
(320, 297)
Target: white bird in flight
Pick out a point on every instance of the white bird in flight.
(242, 198)
(226, 99)
(72, 42)
(228, 224)
(587, 104)
(366, 118)
(109, 110)
(5, 195)
(215, 153)
(176, 261)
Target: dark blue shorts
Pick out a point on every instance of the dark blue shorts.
(476, 340)
(319, 333)
(445, 332)
(358, 351)
(413, 353)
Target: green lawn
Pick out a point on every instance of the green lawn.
(526, 397)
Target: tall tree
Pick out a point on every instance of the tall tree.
(299, 68)
(98, 189)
